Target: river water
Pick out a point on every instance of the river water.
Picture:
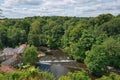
(57, 62)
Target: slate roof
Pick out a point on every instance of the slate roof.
(1, 55)
(0, 52)
(20, 49)
(9, 61)
(11, 51)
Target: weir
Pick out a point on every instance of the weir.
(58, 62)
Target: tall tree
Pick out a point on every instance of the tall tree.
(101, 56)
(16, 36)
(30, 55)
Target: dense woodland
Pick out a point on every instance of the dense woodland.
(92, 40)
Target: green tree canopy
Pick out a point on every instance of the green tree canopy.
(101, 56)
(112, 76)
(16, 36)
(78, 75)
(30, 55)
(30, 73)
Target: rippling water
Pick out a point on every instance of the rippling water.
(57, 69)
(57, 62)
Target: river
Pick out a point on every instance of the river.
(57, 62)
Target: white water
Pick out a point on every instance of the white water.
(60, 61)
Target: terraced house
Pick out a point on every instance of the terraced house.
(11, 58)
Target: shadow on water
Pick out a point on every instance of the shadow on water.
(57, 62)
(57, 69)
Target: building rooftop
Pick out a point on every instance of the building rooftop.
(11, 51)
(9, 61)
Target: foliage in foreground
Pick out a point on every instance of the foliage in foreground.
(78, 75)
(27, 74)
(112, 76)
(32, 73)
